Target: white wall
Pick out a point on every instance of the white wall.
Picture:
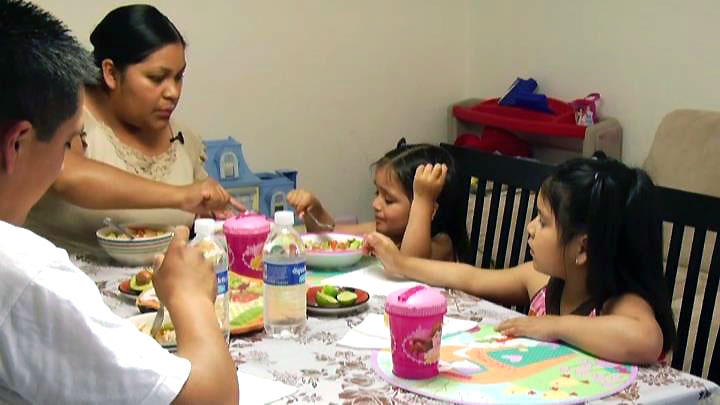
(646, 57)
(322, 86)
(327, 86)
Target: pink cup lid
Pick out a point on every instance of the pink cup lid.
(246, 225)
(416, 301)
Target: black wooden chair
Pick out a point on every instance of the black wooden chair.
(682, 210)
(701, 213)
(506, 178)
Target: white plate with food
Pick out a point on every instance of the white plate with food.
(166, 335)
(331, 249)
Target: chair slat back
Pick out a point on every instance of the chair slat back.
(501, 181)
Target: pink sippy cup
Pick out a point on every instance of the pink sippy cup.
(245, 236)
(416, 317)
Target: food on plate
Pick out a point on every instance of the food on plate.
(238, 283)
(138, 233)
(138, 283)
(165, 336)
(246, 313)
(330, 290)
(346, 298)
(245, 309)
(326, 301)
(246, 301)
(333, 245)
(142, 280)
(331, 296)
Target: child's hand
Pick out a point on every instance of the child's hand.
(429, 181)
(385, 250)
(302, 201)
(536, 327)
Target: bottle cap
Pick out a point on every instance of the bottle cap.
(284, 218)
(204, 226)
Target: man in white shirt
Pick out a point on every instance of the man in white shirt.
(59, 343)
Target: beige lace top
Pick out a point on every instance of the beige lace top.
(73, 228)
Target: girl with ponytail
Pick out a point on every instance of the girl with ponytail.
(595, 280)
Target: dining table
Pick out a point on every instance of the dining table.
(324, 372)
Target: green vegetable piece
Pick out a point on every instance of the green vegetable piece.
(233, 280)
(139, 287)
(347, 298)
(330, 290)
(325, 300)
(247, 316)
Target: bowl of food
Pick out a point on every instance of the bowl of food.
(147, 242)
(327, 250)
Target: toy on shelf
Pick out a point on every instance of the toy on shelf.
(263, 192)
(552, 137)
(560, 122)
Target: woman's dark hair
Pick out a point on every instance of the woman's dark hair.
(129, 34)
(404, 160)
(613, 205)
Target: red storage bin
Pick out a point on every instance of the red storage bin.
(561, 123)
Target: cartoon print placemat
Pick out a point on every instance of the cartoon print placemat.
(484, 366)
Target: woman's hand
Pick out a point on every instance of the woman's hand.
(429, 181)
(207, 198)
(387, 251)
(536, 327)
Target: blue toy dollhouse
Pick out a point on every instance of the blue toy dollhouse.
(264, 192)
(274, 187)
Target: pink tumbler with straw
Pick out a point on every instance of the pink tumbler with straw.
(245, 236)
(416, 317)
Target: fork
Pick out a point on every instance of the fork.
(160, 314)
(158, 321)
(328, 227)
(109, 222)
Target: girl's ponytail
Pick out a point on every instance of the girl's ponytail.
(613, 205)
(605, 207)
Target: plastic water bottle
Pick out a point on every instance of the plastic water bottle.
(284, 275)
(214, 249)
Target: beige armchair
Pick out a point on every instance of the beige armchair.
(684, 155)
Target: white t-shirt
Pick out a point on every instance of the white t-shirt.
(60, 344)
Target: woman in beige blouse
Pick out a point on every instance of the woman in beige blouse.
(141, 58)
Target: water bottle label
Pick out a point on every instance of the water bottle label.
(284, 274)
(222, 282)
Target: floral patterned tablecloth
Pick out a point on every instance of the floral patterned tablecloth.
(325, 373)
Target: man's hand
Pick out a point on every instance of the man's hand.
(536, 327)
(184, 275)
(429, 181)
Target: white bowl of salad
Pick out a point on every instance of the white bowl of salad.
(328, 250)
(148, 241)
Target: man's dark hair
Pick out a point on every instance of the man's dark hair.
(42, 68)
